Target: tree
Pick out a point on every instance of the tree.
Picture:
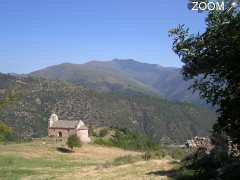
(5, 132)
(211, 60)
(10, 98)
(73, 141)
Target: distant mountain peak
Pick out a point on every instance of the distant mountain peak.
(124, 75)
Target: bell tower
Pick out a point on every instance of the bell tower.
(53, 118)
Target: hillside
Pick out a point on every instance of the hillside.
(99, 77)
(159, 119)
(40, 159)
(125, 76)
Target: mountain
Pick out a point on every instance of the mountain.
(125, 76)
(157, 118)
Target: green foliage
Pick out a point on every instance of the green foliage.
(134, 141)
(10, 98)
(125, 139)
(103, 132)
(6, 133)
(91, 131)
(211, 60)
(164, 151)
(151, 115)
(73, 141)
(200, 165)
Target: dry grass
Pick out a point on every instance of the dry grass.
(40, 160)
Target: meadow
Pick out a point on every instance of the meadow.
(41, 159)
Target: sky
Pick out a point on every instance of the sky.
(38, 33)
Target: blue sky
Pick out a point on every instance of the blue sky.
(38, 33)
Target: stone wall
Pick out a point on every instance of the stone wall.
(61, 132)
(83, 135)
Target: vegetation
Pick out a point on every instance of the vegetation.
(10, 98)
(103, 132)
(125, 139)
(158, 119)
(124, 76)
(211, 60)
(5, 133)
(73, 141)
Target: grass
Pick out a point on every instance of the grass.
(41, 159)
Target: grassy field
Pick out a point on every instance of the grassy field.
(41, 159)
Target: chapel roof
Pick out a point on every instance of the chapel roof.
(65, 124)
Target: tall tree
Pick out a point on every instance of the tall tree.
(212, 60)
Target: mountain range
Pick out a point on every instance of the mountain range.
(158, 118)
(125, 77)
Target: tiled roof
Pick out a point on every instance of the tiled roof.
(65, 124)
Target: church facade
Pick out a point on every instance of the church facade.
(64, 128)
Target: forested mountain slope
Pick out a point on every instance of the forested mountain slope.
(155, 117)
(125, 77)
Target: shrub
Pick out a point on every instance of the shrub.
(73, 141)
(5, 133)
(125, 139)
(91, 131)
(147, 156)
(103, 132)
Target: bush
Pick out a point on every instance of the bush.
(73, 141)
(91, 131)
(147, 156)
(214, 165)
(125, 139)
(5, 133)
(103, 132)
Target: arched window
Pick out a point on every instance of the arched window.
(59, 134)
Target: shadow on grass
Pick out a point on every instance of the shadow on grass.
(168, 173)
(178, 174)
(64, 150)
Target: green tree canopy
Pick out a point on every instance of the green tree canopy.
(212, 60)
(73, 141)
(5, 132)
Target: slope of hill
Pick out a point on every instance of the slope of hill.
(40, 160)
(157, 118)
(125, 76)
(99, 77)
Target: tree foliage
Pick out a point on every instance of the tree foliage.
(5, 132)
(123, 138)
(73, 141)
(10, 98)
(211, 59)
